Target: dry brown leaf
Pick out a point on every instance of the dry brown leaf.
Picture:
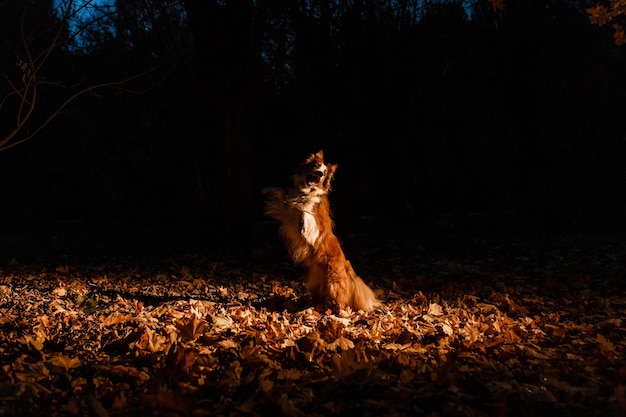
(35, 342)
(62, 363)
(532, 352)
(291, 374)
(340, 343)
(60, 291)
(607, 348)
(435, 309)
(514, 307)
(221, 323)
(130, 371)
(116, 319)
(228, 344)
(191, 328)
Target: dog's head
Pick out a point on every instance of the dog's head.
(313, 176)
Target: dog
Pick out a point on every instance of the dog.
(306, 227)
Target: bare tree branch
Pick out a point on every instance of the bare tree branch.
(30, 67)
(6, 143)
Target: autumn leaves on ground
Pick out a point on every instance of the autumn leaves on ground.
(473, 328)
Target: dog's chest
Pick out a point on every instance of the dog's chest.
(309, 227)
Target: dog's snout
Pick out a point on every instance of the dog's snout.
(314, 176)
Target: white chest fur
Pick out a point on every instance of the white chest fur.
(305, 205)
(310, 230)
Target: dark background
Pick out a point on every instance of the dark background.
(445, 118)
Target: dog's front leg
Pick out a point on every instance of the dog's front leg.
(275, 206)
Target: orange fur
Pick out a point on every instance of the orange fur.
(306, 227)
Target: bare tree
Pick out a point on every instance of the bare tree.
(40, 33)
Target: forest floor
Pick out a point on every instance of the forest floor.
(469, 327)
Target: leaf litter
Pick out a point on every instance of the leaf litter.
(489, 333)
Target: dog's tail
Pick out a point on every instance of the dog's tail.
(363, 298)
(359, 295)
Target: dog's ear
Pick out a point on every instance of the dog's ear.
(330, 173)
(317, 157)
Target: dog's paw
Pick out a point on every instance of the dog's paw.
(272, 192)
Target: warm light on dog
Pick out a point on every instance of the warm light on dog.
(307, 229)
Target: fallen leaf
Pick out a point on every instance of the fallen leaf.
(62, 363)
